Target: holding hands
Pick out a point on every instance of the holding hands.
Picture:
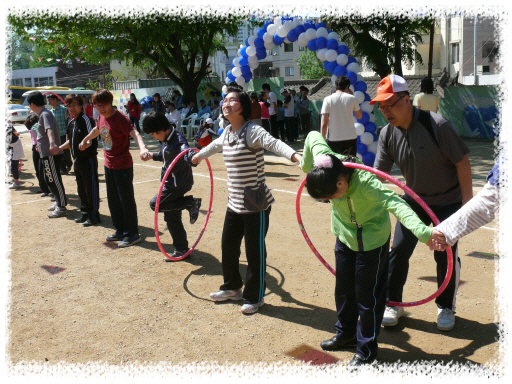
(145, 155)
(196, 159)
(84, 145)
(437, 241)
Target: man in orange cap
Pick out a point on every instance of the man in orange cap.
(434, 162)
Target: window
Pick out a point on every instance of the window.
(301, 48)
(275, 50)
(17, 82)
(489, 50)
(288, 71)
(28, 82)
(455, 53)
(288, 47)
(43, 81)
(69, 65)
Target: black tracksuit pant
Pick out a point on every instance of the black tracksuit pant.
(86, 175)
(51, 172)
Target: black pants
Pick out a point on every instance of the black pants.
(344, 147)
(360, 292)
(305, 124)
(121, 201)
(51, 172)
(135, 123)
(253, 228)
(274, 128)
(291, 128)
(15, 164)
(265, 123)
(38, 166)
(172, 203)
(404, 243)
(66, 162)
(281, 129)
(86, 176)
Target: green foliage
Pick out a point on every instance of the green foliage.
(311, 67)
(19, 52)
(44, 52)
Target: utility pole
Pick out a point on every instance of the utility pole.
(431, 49)
(474, 52)
(104, 78)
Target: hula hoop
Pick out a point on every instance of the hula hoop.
(21, 165)
(54, 94)
(157, 206)
(410, 193)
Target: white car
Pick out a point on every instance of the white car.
(17, 113)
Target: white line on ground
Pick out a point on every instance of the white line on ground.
(492, 229)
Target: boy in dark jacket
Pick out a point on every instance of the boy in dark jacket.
(179, 182)
(78, 127)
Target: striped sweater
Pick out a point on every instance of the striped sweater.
(244, 158)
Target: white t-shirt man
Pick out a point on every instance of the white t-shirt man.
(272, 99)
(340, 107)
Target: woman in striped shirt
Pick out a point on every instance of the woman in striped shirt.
(242, 144)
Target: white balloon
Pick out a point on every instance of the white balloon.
(372, 117)
(366, 107)
(268, 37)
(236, 63)
(359, 156)
(295, 23)
(342, 59)
(255, 32)
(321, 32)
(353, 67)
(359, 96)
(373, 147)
(252, 59)
(351, 88)
(355, 119)
(241, 81)
(245, 86)
(237, 72)
(278, 21)
(341, 43)
(269, 45)
(271, 29)
(359, 77)
(238, 53)
(302, 42)
(298, 20)
(281, 32)
(331, 55)
(227, 80)
(286, 40)
(251, 39)
(311, 34)
(359, 129)
(251, 51)
(333, 79)
(366, 138)
(254, 65)
(288, 25)
(224, 87)
(333, 35)
(321, 54)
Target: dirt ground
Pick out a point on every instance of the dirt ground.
(76, 298)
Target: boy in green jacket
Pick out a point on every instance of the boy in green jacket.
(360, 221)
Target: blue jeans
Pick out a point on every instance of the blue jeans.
(121, 201)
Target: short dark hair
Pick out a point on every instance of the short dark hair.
(427, 85)
(254, 96)
(35, 98)
(265, 86)
(70, 98)
(103, 96)
(402, 93)
(202, 101)
(279, 103)
(304, 89)
(31, 120)
(212, 93)
(155, 122)
(192, 101)
(243, 97)
(341, 83)
(218, 93)
(215, 102)
(322, 182)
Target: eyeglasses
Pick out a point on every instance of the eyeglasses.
(72, 106)
(230, 101)
(386, 108)
(100, 106)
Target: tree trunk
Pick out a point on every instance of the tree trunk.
(397, 65)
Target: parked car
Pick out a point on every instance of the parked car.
(17, 113)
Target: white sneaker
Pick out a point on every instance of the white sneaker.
(391, 316)
(226, 295)
(445, 319)
(52, 208)
(14, 185)
(251, 308)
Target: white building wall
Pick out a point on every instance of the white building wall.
(35, 75)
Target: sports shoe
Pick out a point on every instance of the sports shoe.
(251, 308)
(81, 219)
(115, 237)
(58, 212)
(14, 185)
(53, 199)
(129, 241)
(226, 295)
(90, 221)
(391, 316)
(44, 194)
(445, 319)
(194, 211)
(52, 208)
(358, 361)
(338, 342)
(175, 254)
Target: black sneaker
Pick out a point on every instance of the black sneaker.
(90, 221)
(129, 241)
(81, 219)
(194, 211)
(338, 342)
(358, 361)
(115, 237)
(175, 254)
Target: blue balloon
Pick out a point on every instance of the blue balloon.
(261, 50)
(247, 76)
(308, 25)
(312, 45)
(370, 127)
(261, 55)
(375, 137)
(321, 42)
(245, 69)
(259, 43)
(351, 59)
(266, 24)
(299, 29)
(278, 40)
(369, 159)
(243, 52)
(233, 65)
(343, 50)
(331, 66)
(231, 76)
(364, 119)
(247, 42)
(223, 94)
(332, 44)
(243, 61)
(261, 32)
(219, 132)
(360, 86)
(358, 140)
(362, 148)
(340, 70)
(320, 25)
(367, 97)
(352, 76)
(292, 36)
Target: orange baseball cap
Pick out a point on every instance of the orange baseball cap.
(388, 86)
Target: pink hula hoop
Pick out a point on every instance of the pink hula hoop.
(21, 165)
(157, 206)
(54, 94)
(410, 193)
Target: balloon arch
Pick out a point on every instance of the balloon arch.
(328, 48)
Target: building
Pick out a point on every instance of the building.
(77, 73)
(34, 77)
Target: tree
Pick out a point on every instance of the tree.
(19, 52)
(178, 44)
(310, 66)
(45, 53)
(384, 40)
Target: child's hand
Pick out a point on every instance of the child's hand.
(196, 159)
(84, 145)
(437, 241)
(147, 157)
